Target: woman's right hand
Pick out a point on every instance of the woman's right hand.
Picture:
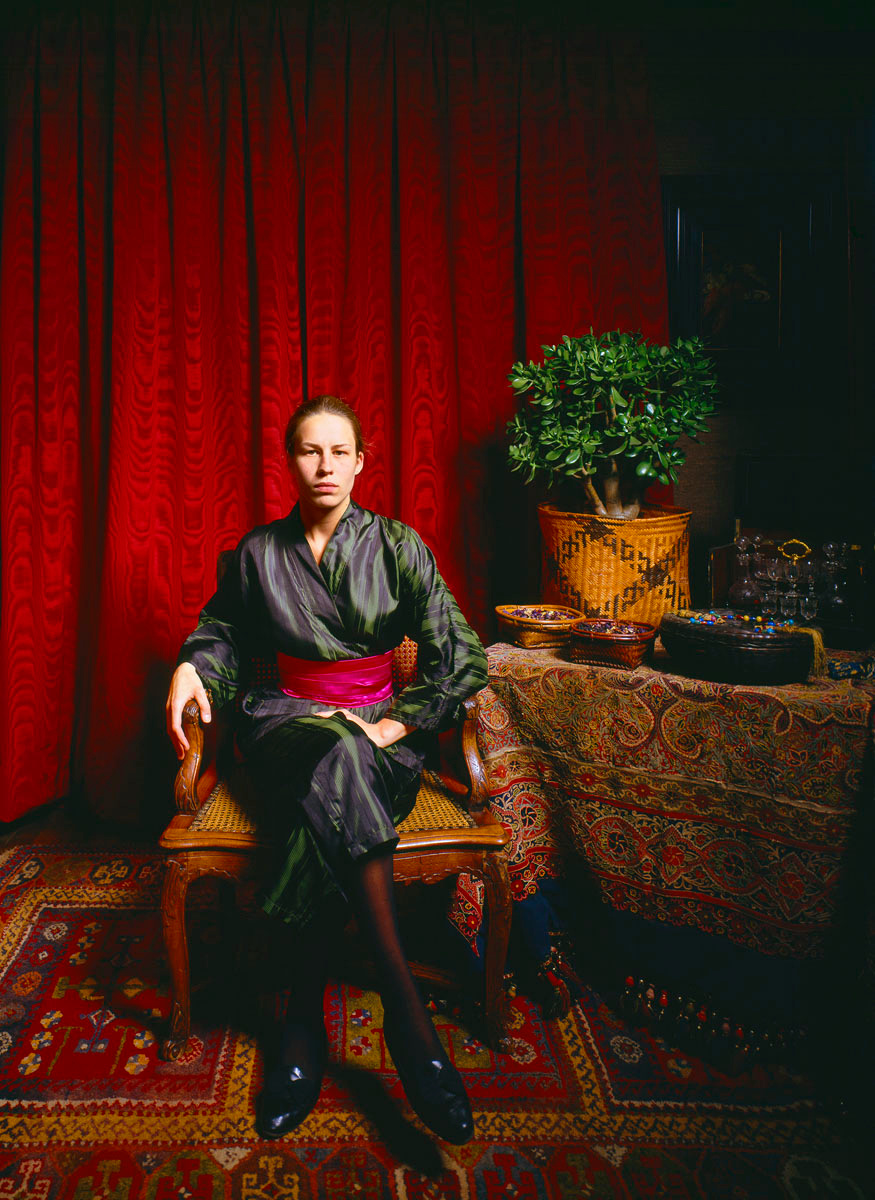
(184, 686)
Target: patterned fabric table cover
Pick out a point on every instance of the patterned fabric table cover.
(724, 807)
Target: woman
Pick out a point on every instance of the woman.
(329, 591)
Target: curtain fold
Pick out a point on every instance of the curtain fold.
(210, 211)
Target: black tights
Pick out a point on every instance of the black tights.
(303, 1035)
(372, 897)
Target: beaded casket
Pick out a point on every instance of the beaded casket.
(721, 645)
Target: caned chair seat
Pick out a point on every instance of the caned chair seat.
(435, 808)
(449, 831)
(225, 810)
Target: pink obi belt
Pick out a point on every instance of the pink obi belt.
(348, 683)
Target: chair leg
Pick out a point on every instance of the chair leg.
(498, 899)
(173, 896)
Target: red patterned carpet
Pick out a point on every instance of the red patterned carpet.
(580, 1107)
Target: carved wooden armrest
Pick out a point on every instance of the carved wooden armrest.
(479, 801)
(185, 786)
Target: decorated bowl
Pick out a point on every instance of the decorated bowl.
(536, 624)
(605, 642)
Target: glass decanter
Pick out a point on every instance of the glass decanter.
(835, 605)
(744, 593)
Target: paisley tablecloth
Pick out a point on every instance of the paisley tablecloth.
(727, 808)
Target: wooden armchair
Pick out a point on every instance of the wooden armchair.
(449, 832)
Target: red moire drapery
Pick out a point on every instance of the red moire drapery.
(210, 211)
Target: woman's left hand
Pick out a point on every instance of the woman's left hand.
(382, 733)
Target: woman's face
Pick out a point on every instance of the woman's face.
(325, 462)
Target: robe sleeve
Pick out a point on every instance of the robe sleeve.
(451, 662)
(217, 645)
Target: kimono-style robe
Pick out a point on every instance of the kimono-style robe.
(334, 795)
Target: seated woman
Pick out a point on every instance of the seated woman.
(329, 591)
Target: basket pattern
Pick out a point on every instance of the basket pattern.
(604, 650)
(611, 568)
(528, 631)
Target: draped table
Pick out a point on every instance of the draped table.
(722, 807)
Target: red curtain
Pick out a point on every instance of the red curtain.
(210, 211)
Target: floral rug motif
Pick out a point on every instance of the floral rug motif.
(581, 1106)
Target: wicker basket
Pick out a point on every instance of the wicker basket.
(607, 643)
(531, 625)
(626, 570)
(736, 651)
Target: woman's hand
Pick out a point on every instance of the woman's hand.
(184, 686)
(382, 733)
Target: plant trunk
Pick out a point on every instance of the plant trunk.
(594, 498)
(614, 506)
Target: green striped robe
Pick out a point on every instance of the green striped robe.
(331, 795)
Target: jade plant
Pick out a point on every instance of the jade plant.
(606, 412)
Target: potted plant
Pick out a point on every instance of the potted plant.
(601, 419)
(606, 411)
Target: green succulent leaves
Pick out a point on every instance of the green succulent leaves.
(608, 403)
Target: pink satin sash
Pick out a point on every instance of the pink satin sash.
(348, 683)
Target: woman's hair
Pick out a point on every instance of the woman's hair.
(323, 404)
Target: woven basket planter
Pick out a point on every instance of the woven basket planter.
(604, 567)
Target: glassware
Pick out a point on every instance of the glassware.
(806, 572)
(835, 606)
(787, 604)
(770, 603)
(744, 593)
(759, 564)
(808, 605)
(775, 569)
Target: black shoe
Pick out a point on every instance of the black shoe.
(287, 1098)
(436, 1093)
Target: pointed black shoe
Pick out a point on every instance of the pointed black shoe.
(288, 1096)
(436, 1093)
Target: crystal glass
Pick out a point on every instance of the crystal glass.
(770, 603)
(787, 604)
(806, 572)
(775, 569)
(808, 605)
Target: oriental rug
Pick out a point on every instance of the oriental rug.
(582, 1106)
